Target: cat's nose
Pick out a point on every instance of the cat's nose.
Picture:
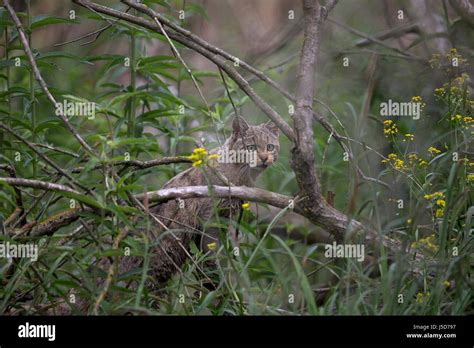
(264, 158)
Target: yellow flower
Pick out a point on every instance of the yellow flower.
(389, 128)
(399, 164)
(212, 246)
(419, 297)
(439, 91)
(199, 156)
(416, 99)
(422, 163)
(440, 202)
(435, 195)
(409, 136)
(446, 283)
(245, 206)
(427, 242)
(409, 221)
(470, 177)
(433, 150)
(395, 162)
(456, 118)
(199, 151)
(197, 163)
(468, 120)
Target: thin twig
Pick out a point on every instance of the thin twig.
(141, 164)
(372, 39)
(111, 272)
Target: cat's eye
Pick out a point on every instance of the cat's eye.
(270, 147)
(252, 147)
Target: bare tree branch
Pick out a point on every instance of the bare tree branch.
(392, 33)
(329, 6)
(315, 207)
(303, 153)
(50, 225)
(43, 185)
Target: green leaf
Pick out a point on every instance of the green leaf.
(127, 141)
(48, 124)
(66, 55)
(91, 202)
(163, 3)
(110, 252)
(43, 20)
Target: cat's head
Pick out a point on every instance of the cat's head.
(262, 139)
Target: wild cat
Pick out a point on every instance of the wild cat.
(261, 139)
(180, 222)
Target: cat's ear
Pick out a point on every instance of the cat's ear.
(272, 127)
(239, 125)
